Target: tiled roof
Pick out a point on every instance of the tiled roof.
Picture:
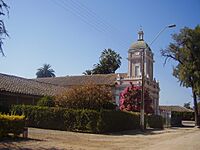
(13, 84)
(100, 79)
(175, 108)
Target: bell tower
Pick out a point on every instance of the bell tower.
(135, 53)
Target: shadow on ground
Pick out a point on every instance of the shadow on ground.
(16, 139)
(10, 143)
(148, 131)
(137, 132)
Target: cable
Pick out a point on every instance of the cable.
(89, 17)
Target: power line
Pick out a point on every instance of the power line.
(74, 13)
(90, 18)
(101, 22)
(100, 19)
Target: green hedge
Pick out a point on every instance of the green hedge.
(119, 120)
(188, 116)
(11, 124)
(177, 117)
(155, 121)
(42, 117)
(77, 120)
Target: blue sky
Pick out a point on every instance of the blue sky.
(71, 34)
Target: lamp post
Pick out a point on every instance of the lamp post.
(143, 80)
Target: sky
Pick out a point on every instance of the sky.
(71, 34)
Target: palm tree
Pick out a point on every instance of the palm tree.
(45, 71)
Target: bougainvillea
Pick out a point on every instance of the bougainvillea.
(130, 99)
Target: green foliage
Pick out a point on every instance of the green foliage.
(46, 101)
(185, 50)
(86, 97)
(109, 62)
(114, 121)
(187, 105)
(83, 120)
(177, 117)
(42, 117)
(45, 71)
(155, 121)
(11, 124)
(188, 116)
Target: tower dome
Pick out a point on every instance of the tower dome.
(140, 43)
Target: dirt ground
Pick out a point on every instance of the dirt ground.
(168, 139)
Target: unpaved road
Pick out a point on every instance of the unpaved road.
(168, 139)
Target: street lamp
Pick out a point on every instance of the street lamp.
(161, 31)
(143, 81)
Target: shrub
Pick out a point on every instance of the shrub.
(11, 124)
(41, 117)
(177, 117)
(112, 121)
(155, 121)
(46, 101)
(83, 120)
(188, 116)
(130, 99)
(86, 97)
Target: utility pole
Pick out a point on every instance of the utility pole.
(142, 124)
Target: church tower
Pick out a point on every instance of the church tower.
(134, 75)
(135, 53)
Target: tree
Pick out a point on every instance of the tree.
(87, 72)
(130, 99)
(187, 105)
(45, 71)
(3, 32)
(185, 50)
(87, 96)
(109, 62)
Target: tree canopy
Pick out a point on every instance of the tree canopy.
(185, 50)
(187, 105)
(45, 71)
(3, 32)
(109, 62)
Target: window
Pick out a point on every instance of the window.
(137, 53)
(137, 71)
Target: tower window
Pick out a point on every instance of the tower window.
(137, 71)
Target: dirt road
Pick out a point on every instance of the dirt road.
(168, 139)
